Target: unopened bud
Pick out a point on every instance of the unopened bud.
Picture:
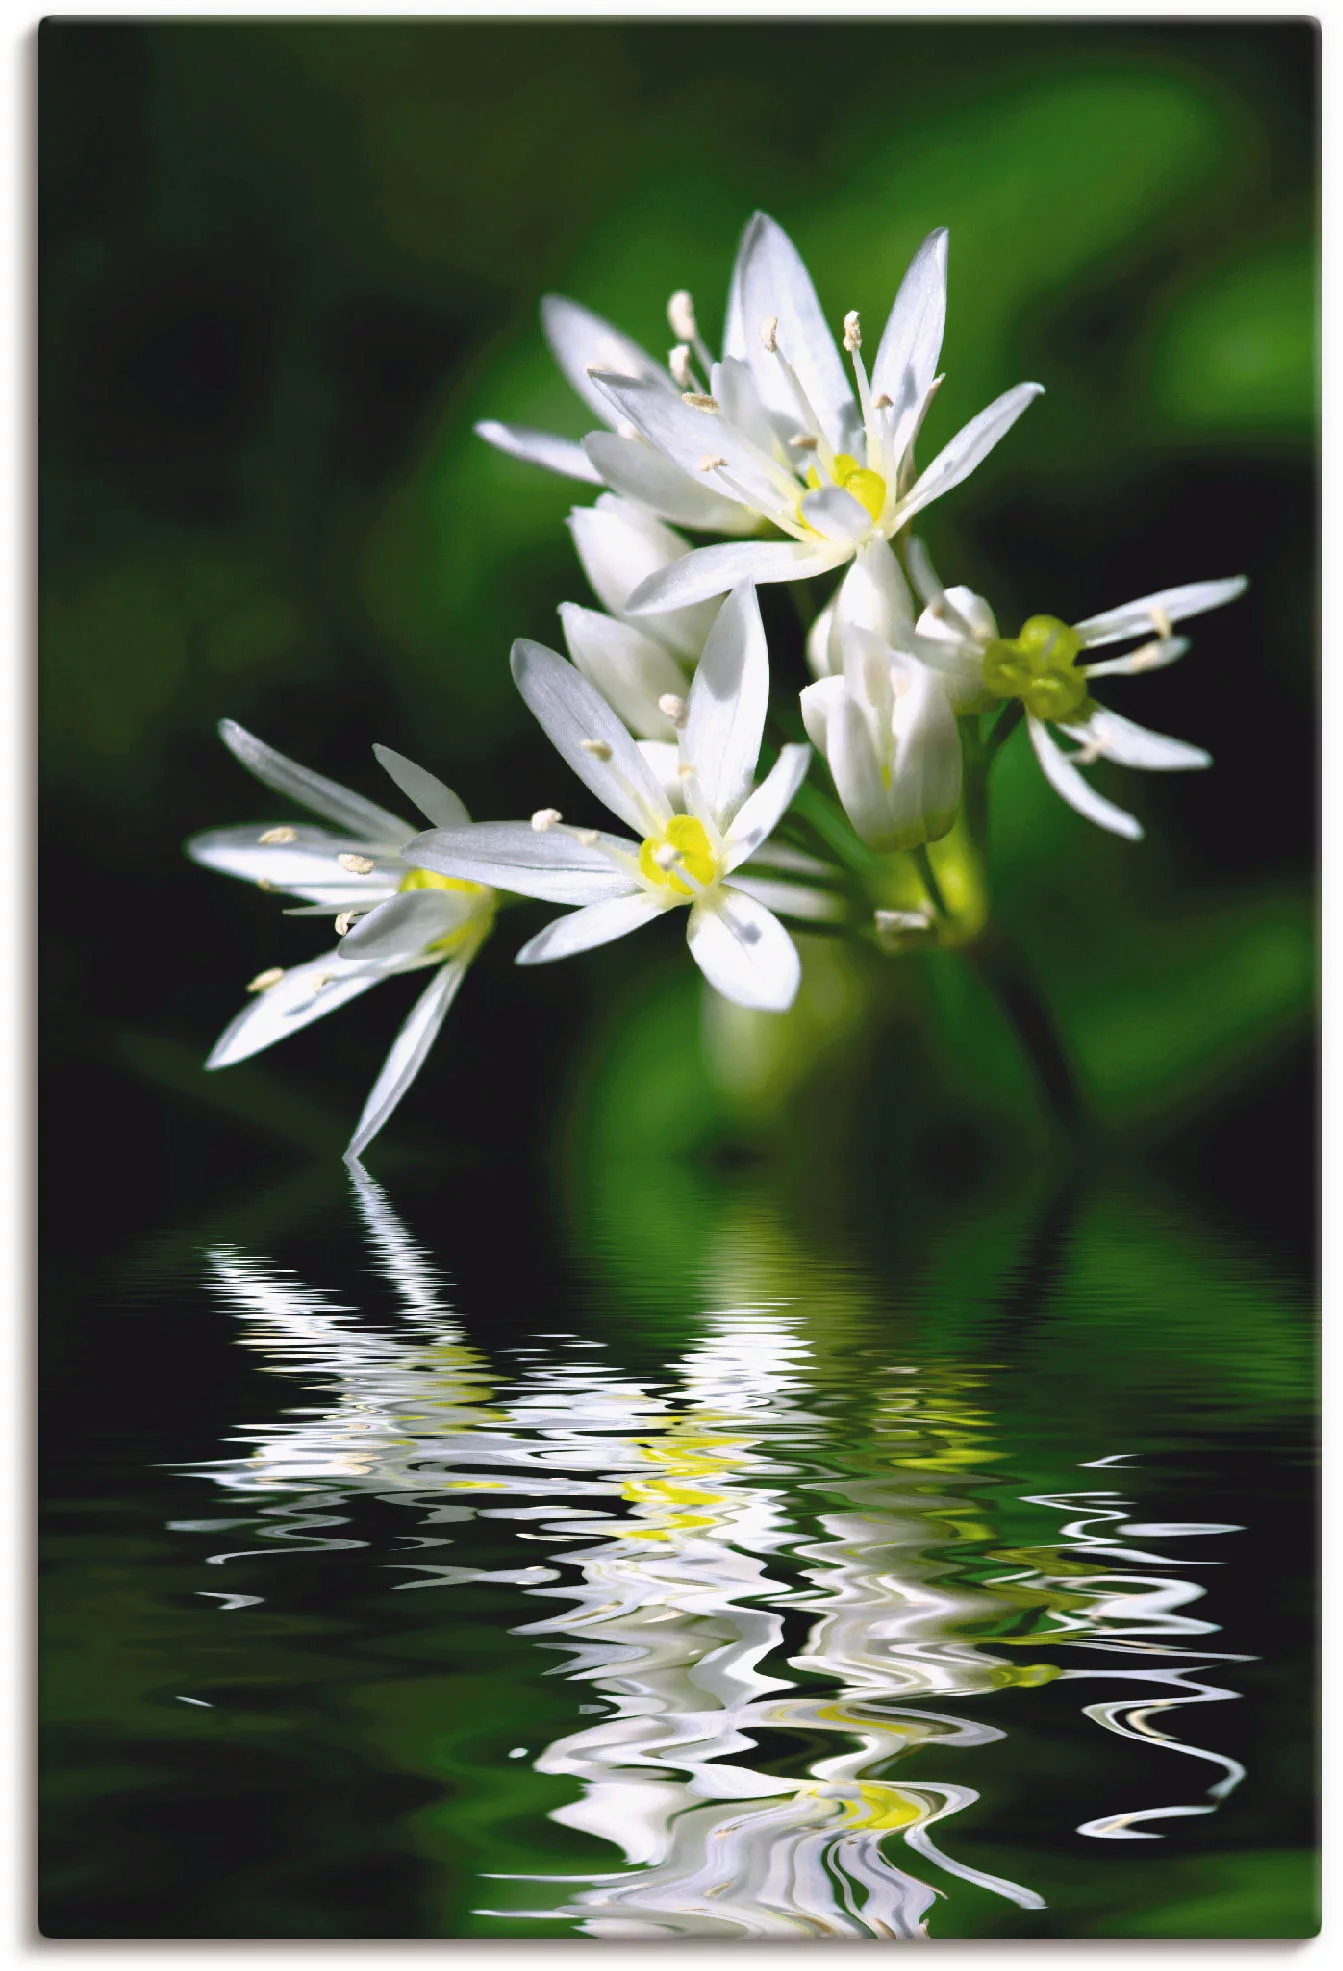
(265, 980)
(358, 865)
(278, 835)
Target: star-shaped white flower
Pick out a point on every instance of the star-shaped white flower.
(982, 671)
(682, 857)
(389, 920)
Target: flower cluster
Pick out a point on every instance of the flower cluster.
(805, 462)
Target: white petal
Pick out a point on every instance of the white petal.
(638, 471)
(583, 930)
(581, 341)
(307, 867)
(1133, 745)
(312, 790)
(874, 594)
(664, 760)
(744, 951)
(911, 342)
(790, 899)
(1153, 656)
(521, 441)
(733, 385)
(855, 766)
(437, 802)
(823, 656)
(404, 925)
(782, 855)
(689, 436)
(774, 282)
(761, 813)
(621, 546)
(926, 777)
(629, 669)
(1064, 778)
(1139, 618)
(407, 1055)
(836, 515)
(725, 713)
(819, 702)
(569, 712)
(969, 448)
(711, 571)
(293, 1003)
(510, 855)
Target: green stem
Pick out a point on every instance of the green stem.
(923, 863)
(1001, 731)
(1003, 969)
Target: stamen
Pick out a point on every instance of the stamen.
(681, 364)
(322, 979)
(278, 835)
(1162, 620)
(698, 401)
(344, 921)
(358, 865)
(769, 334)
(600, 749)
(685, 771)
(1144, 659)
(589, 837)
(672, 707)
(681, 315)
(545, 818)
(883, 402)
(666, 857)
(265, 980)
(804, 442)
(853, 332)
(1088, 753)
(710, 463)
(264, 883)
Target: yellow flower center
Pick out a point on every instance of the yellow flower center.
(473, 929)
(1039, 668)
(684, 847)
(867, 487)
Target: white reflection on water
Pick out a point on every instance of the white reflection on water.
(777, 1596)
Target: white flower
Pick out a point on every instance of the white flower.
(389, 920)
(781, 432)
(957, 632)
(691, 858)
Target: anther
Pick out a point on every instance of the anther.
(344, 921)
(681, 364)
(681, 315)
(882, 402)
(685, 771)
(322, 979)
(589, 837)
(804, 441)
(358, 865)
(265, 980)
(278, 835)
(545, 818)
(769, 333)
(600, 749)
(698, 401)
(710, 463)
(672, 707)
(853, 332)
(1162, 621)
(264, 883)
(1144, 659)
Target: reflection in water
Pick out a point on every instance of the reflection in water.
(775, 1562)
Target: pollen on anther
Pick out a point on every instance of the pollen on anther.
(672, 707)
(545, 818)
(278, 835)
(698, 401)
(882, 402)
(265, 980)
(804, 441)
(600, 749)
(589, 837)
(769, 333)
(853, 331)
(344, 921)
(358, 865)
(681, 315)
(681, 364)
(710, 462)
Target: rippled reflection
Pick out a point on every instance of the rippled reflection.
(779, 1565)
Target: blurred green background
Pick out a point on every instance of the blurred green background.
(285, 265)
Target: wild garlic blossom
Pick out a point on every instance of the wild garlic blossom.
(1039, 669)
(388, 919)
(687, 857)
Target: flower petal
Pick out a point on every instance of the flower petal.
(295, 1002)
(744, 951)
(408, 1052)
(763, 810)
(308, 867)
(836, 515)
(583, 930)
(1153, 656)
(312, 790)
(511, 855)
(404, 925)
(689, 437)
(522, 441)
(620, 545)
(774, 283)
(790, 899)
(711, 571)
(725, 713)
(664, 762)
(629, 669)
(854, 765)
(1131, 745)
(437, 802)
(969, 448)
(911, 342)
(1064, 778)
(1141, 617)
(581, 341)
(570, 713)
(638, 471)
